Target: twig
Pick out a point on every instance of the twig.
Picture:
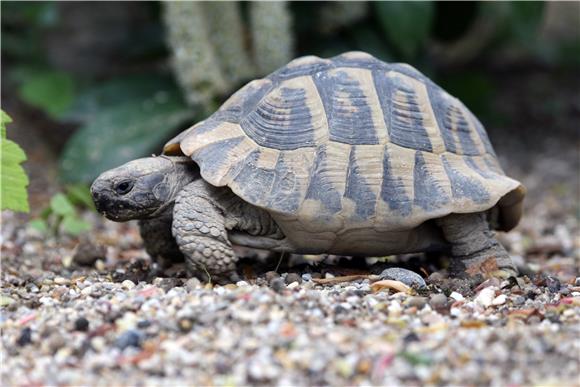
(344, 278)
(279, 261)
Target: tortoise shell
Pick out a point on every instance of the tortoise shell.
(351, 142)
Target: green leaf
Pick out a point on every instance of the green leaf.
(48, 90)
(130, 129)
(406, 24)
(39, 225)
(60, 205)
(13, 194)
(73, 225)
(80, 194)
(106, 95)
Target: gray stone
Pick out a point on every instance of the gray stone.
(408, 277)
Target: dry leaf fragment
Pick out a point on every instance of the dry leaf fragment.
(390, 284)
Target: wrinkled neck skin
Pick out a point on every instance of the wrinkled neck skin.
(183, 174)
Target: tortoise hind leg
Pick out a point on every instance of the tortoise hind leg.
(474, 248)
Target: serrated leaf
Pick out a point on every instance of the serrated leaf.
(406, 24)
(13, 180)
(131, 129)
(73, 225)
(4, 119)
(51, 91)
(60, 205)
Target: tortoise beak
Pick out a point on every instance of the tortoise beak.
(100, 198)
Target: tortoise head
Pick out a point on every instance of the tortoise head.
(142, 188)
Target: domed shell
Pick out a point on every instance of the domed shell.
(351, 142)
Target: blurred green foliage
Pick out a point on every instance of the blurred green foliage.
(125, 119)
(115, 71)
(407, 25)
(13, 183)
(62, 215)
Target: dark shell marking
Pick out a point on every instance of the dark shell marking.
(347, 110)
(358, 190)
(321, 188)
(393, 190)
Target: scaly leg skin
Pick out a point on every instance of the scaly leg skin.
(474, 248)
(159, 241)
(199, 229)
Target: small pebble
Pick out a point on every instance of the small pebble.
(270, 275)
(100, 265)
(293, 285)
(485, 297)
(457, 296)
(277, 284)
(81, 324)
(499, 300)
(293, 277)
(518, 300)
(87, 253)
(408, 277)
(128, 338)
(553, 284)
(185, 324)
(128, 284)
(192, 284)
(25, 337)
(438, 301)
(418, 302)
(61, 281)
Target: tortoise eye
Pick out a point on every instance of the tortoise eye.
(124, 187)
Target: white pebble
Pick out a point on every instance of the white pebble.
(457, 296)
(87, 291)
(61, 281)
(293, 285)
(485, 297)
(128, 284)
(499, 300)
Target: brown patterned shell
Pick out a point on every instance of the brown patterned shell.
(351, 142)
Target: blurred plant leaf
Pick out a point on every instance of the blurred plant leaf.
(97, 98)
(525, 19)
(80, 194)
(117, 132)
(474, 89)
(74, 225)
(51, 91)
(369, 41)
(14, 181)
(39, 225)
(60, 205)
(406, 24)
(516, 22)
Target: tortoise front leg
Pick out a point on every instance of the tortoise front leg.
(474, 248)
(199, 229)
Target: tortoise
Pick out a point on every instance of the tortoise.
(348, 155)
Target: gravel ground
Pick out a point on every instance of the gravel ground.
(124, 320)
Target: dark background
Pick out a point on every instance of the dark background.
(92, 85)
